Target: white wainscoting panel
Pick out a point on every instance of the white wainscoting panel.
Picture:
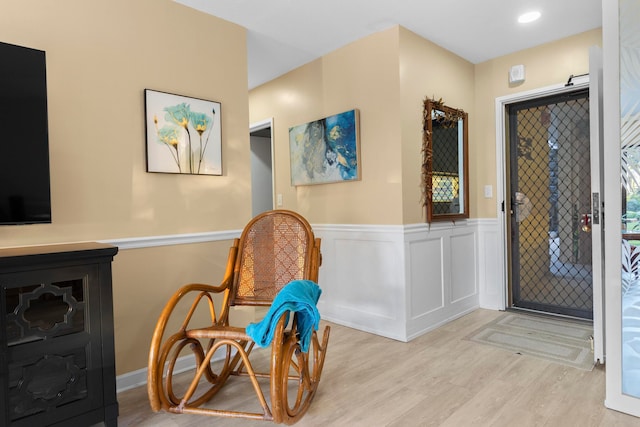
(402, 281)
(362, 277)
(492, 270)
(464, 274)
(425, 268)
(453, 284)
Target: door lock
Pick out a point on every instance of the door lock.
(585, 223)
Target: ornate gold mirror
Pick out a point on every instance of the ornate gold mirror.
(445, 165)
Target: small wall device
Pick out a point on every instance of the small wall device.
(516, 74)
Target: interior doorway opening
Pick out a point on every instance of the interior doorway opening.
(262, 181)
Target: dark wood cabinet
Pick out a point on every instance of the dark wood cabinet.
(57, 361)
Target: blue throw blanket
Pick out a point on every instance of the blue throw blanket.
(298, 296)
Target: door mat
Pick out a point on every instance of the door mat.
(561, 341)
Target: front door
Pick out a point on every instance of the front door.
(550, 216)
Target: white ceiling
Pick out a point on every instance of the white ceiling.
(284, 34)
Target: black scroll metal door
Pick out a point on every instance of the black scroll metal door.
(551, 266)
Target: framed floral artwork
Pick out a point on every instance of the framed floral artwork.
(183, 134)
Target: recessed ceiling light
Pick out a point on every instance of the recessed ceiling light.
(525, 18)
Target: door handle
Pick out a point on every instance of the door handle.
(521, 205)
(585, 223)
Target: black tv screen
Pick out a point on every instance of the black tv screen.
(25, 196)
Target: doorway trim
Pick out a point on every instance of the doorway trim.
(501, 168)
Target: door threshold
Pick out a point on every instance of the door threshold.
(549, 315)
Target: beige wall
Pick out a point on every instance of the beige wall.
(144, 280)
(386, 76)
(367, 76)
(101, 55)
(362, 75)
(427, 70)
(546, 65)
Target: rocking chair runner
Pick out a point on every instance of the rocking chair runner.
(275, 248)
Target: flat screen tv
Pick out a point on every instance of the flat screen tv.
(25, 196)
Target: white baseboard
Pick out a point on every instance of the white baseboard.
(395, 281)
(138, 378)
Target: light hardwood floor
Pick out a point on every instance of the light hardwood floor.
(438, 379)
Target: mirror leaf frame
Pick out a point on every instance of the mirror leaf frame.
(436, 113)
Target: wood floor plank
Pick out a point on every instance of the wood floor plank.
(437, 379)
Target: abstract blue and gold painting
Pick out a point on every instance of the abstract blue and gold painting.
(325, 150)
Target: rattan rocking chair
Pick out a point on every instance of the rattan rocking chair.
(275, 248)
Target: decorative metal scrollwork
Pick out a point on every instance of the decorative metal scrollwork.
(49, 309)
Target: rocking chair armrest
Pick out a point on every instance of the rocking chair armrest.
(203, 287)
(181, 293)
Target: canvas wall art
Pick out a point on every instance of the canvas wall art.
(183, 134)
(325, 150)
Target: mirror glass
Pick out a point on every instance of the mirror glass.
(445, 163)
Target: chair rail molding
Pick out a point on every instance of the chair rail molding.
(416, 277)
(172, 239)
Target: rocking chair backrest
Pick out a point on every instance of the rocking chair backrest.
(275, 248)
